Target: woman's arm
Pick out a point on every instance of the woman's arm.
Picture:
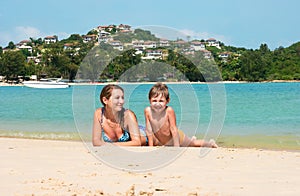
(149, 132)
(173, 127)
(97, 130)
(131, 123)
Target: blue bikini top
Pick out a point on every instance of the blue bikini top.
(124, 138)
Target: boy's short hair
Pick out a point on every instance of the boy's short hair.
(159, 89)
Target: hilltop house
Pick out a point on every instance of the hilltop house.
(213, 42)
(89, 38)
(123, 27)
(23, 45)
(50, 39)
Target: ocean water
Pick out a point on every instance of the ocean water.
(262, 115)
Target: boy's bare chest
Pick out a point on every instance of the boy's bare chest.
(159, 124)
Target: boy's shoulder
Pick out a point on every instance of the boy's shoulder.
(147, 109)
(169, 108)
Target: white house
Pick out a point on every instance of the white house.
(198, 46)
(28, 48)
(144, 44)
(104, 36)
(125, 27)
(164, 43)
(89, 38)
(50, 39)
(224, 55)
(150, 44)
(116, 45)
(23, 43)
(153, 54)
(138, 43)
(213, 42)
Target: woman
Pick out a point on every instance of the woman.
(113, 123)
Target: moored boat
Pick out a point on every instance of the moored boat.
(46, 83)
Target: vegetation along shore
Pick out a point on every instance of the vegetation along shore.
(51, 57)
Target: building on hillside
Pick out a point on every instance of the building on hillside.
(105, 28)
(213, 42)
(179, 43)
(104, 36)
(28, 48)
(50, 39)
(188, 51)
(125, 27)
(89, 38)
(198, 45)
(23, 43)
(224, 56)
(207, 54)
(144, 44)
(153, 54)
(138, 44)
(68, 46)
(116, 45)
(164, 43)
(150, 44)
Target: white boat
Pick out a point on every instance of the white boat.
(46, 83)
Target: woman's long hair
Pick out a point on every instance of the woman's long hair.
(106, 92)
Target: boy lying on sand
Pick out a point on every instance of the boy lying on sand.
(160, 120)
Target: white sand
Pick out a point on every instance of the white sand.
(43, 167)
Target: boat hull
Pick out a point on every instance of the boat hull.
(45, 85)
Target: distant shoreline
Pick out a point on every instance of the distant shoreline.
(185, 82)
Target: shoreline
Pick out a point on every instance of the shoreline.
(43, 167)
(252, 141)
(166, 82)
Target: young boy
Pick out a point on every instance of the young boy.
(160, 120)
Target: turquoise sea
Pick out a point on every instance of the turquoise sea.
(260, 115)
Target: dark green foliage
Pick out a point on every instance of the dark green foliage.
(242, 64)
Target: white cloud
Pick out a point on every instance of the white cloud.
(20, 33)
(205, 36)
(28, 32)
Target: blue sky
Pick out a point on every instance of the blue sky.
(240, 23)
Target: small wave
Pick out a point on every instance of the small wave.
(69, 136)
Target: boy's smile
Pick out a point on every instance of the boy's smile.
(158, 103)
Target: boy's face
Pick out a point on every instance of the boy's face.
(158, 103)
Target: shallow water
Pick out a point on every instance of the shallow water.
(242, 115)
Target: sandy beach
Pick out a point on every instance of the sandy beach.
(47, 167)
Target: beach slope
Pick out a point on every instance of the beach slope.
(45, 167)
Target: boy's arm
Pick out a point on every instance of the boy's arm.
(173, 127)
(149, 132)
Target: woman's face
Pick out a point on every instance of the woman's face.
(116, 101)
